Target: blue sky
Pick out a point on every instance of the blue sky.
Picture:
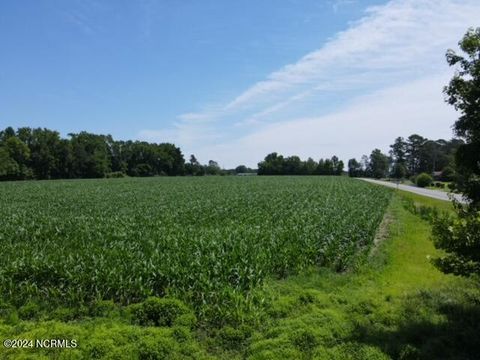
(233, 80)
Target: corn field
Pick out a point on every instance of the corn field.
(209, 241)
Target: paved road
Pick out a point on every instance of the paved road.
(436, 194)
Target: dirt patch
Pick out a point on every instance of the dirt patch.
(383, 231)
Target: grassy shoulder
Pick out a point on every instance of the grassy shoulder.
(426, 201)
(393, 305)
(441, 186)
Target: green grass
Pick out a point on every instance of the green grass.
(397, 305)
(391, 304)
(420, 200)
(443, 187)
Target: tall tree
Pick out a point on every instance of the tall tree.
(44, 145)
(365, 165)
(463, 93)
(328, 167)
(91, 157)
(398, 150)
(14, 155)
(193, 167)
(271, 165)
(213, 168)
(460, 236)
(5, 134)
(339, 167)
(398, 171)
(321, 167)
(413, 151)
(354, 168)
(292, 165)
(378, 164)
(9, 168)
(240, 169)
(310, 166)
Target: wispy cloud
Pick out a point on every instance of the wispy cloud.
(391, 40)
(195, 116)
(256, 117)
(79, 20)
(369, 121)
(81, 15)
(391, 46)
(337, 4)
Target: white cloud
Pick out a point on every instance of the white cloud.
(256, 118)
(194, 116)
(373, 67)
(371, 121)
(337, 4)
(402, 36)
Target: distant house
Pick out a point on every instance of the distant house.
(437, 174)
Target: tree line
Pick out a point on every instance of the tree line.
(275, 164)
(409, 157)
(28, 153)
(43, 154)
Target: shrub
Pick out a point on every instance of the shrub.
(306, 298)
(281, 307)
(424, 180)
(68, 313)
(104, 308)
(459, 237)
(428, 213)
(232, 338)
(181, 334)
(448, 174)
(29, 310)
(156, 349)
(143, 170)
(161, 312)
(304, 340)
(115, 174)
